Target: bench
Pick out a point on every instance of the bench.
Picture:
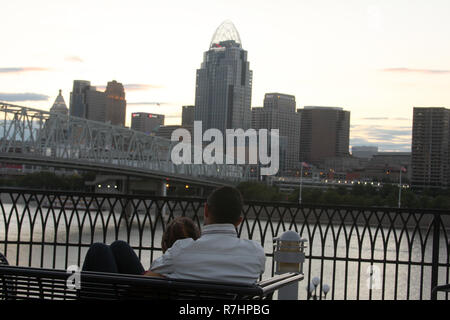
(19, 283)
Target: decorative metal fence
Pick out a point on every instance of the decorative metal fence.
(362, 253)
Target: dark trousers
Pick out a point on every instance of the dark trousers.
(118, 257)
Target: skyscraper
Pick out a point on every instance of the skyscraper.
(324, 133)
(430, 147)
(115, 105)
(279, 113)
(78, 105)
(224, 82)
(95, 104)
(109, 106)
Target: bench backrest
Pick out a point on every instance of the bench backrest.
(34, 283)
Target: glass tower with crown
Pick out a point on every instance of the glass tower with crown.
(224, 83)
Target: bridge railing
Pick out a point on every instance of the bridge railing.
(362, 253)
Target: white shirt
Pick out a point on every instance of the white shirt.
(218, 255)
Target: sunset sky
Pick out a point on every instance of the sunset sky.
(376, 58)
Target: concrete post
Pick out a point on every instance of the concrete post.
(289, 256)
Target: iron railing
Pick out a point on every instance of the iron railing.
(362, 253)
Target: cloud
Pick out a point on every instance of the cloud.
(375, 118)
(145, 103)
(134, 87)
(74, 59)
(402, 119)
(385, 119)
(396, 138)
(423, 71)
(22, 69)
(138, 87)
(14, 97)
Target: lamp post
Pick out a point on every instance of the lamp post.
(301, 185)
(400, 190)
(312, 289)
(402, 169)
(289, 256)
(303, 164)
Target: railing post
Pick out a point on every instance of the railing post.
(435, 258)
(289, 256)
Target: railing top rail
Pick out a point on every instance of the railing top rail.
(203, 199)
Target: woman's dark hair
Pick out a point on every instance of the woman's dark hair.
(179, 228)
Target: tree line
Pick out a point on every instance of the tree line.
(357, 195)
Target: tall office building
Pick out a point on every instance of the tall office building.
(188, 116)
(279, 113)
(78, 104)
(430, 147)
(109, 106)
(224, 83)
(146, 122)
(324, 133)
(95, 104)
(115, 105)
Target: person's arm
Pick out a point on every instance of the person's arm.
(164, 265)
(150, 273)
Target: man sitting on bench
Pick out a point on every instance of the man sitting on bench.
(218, 255)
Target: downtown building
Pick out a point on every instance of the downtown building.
(146, 122)
(115, 104)
(89, 103)
(224, 83)
(430, 147)
(188, 115)
(59, 106)
(324, 133)
(279, 113)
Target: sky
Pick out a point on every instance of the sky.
(375, 58)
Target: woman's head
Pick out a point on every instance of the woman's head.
(179, 228)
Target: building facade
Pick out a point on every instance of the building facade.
(324, 133)
(146, 122)
(188, 116)
(78, 104)
(115, 104)
(430, 147)
(224, 83)
(89, 103)
(95, 104)
(279, 113)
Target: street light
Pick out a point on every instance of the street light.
(312, 289)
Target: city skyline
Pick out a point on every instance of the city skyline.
(369, 57)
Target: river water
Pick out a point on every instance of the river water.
(40, 237)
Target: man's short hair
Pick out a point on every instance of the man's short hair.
(225, 205)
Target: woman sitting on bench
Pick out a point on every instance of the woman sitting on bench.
(119, 257)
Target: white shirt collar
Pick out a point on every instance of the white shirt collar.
(219, 228)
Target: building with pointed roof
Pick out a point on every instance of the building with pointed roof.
(224, 83)
(59, 106)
